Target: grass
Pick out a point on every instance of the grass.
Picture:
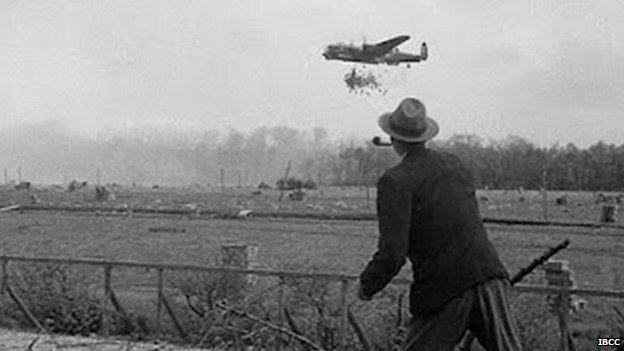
(595, 254)
(581, 206)
(344, 246)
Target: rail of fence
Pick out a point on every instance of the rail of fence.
(562, 292)
(199, 213)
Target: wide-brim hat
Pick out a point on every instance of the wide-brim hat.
(409, 122)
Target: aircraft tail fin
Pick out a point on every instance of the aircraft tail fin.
(423, 51)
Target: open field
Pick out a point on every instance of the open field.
(580, 207)
(596, 255)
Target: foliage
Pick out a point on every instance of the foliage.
(60, 297)
(148, 157)
(511, 163)
(536, 325)
(207, 325)
(293, 183)
(203, 290)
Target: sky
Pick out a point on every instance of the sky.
(548, 71)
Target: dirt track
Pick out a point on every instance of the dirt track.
(12, 340)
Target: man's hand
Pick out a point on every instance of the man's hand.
(362, 296)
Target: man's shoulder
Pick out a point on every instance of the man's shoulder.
(444, 160)
(402, 175)
(444, 155)
(395, 173)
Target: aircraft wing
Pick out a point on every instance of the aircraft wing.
(386, 46)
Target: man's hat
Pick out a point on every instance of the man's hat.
(409, 122)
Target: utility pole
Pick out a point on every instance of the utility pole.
(544, 193)
(284, 182)
(363, 170)
(222, 177)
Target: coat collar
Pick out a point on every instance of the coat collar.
(414, 153)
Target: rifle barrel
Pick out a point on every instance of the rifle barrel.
(538, 261)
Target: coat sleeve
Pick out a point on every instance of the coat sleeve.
(394, 210)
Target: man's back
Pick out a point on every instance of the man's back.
(447, 243)
(428, 213)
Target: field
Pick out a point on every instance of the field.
(326, 201)
(596, 255)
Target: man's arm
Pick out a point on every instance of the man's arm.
(394, 210)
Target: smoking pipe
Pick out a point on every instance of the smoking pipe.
(377, 142)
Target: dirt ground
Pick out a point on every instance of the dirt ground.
(13, 340)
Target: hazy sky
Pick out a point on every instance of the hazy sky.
(550, 71)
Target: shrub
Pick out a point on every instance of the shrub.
(536, 325)
(59, 297)
(309, 184)
(289, 184)
(295, 184)
(206, 324)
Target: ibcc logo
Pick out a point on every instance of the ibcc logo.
(609, 342)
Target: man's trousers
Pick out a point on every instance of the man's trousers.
(483, 309)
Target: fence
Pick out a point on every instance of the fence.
(563, 292)
(206, 213)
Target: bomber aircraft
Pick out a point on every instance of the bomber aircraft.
(385, 52)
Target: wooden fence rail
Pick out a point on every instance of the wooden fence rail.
(206, 213)
(343, 279)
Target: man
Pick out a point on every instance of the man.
(428, 213)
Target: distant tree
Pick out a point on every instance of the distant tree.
(291, 183)
(152, 155)
(309, 184)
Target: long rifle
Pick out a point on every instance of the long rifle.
(538, 262)
(466, 341)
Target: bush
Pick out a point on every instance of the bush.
(63, 299)
(59, 298)
(295, 184)
(264, 185)
(206, 324)
(537, 326)
(309, 184)
(289, 184)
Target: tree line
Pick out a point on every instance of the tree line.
(146, 157)
(513, 162)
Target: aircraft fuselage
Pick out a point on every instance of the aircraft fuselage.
(382, 53)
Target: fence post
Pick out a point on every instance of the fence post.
(159, 302)
(563, 320)
(559, 274)
(280, 308)
(3, 288)
(609, 213)
(344, 284)
(105, 312)
(544, 192)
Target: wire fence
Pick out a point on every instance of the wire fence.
(282, 324)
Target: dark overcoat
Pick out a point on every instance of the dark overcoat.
(428, 213)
